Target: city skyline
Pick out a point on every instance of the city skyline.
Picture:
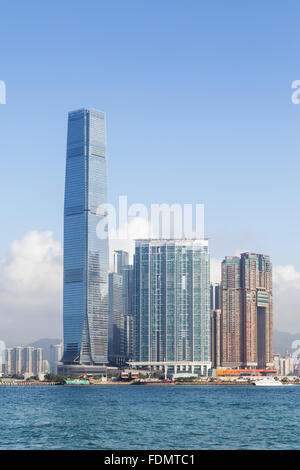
(149, 261)
(81, 138)
(200, 124)
(209, 103)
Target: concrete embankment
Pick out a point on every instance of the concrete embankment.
(22, 384)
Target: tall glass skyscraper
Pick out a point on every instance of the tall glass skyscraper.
(85, 255)
(172, 303)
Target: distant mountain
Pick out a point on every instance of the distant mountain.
(283, 342)
(45, 344)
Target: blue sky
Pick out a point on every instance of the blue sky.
(198, 103)
(197, 96)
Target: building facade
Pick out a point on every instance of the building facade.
(247, 311)
(116, 319)
(23, 360)
(286, 365)
(172, 303)
(215, 296)
(216, 338)
(56, 352)
(232, 313)
(121, 259)
(216, 323)
(18, 360)
(85, 308)
(8, 361)
(28, 353)
(37, 360)
(121, 309)
(128, 310)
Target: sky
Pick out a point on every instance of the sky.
(197, 96)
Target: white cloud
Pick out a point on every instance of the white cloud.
(124, 237)
(31, 286)
(286, 290)
(31, 283)
(215, 270)
(30, 289)
(285, 274)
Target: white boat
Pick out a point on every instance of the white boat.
(269, 382)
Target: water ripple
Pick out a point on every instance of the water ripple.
(195, 417)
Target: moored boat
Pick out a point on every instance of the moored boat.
(269, 382)
(77, 382)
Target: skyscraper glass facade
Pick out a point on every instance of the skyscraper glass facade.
(120, 333)
(85, 255)
(172, 300)
(116, 319)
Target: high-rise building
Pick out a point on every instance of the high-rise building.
(56, 352)
(276, 362)
(297, 370)
(8, 361)
(120, 309)
(37, 361)
(116, 319)
(258, 304)
(85, 309)
(215, 296)
(128, 310)
(2, 356)
(232, 313)
(247, 311)
(28, 360)
(286, 365)
(216, 330)
(23, 360)
(120, 260)
(216, 337)
(172, 305)
(17, 361)
(128, 337)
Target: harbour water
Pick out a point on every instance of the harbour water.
(141, 417)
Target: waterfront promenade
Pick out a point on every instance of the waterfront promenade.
(123, 383)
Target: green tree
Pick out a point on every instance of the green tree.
(54, 378)
(32, 378)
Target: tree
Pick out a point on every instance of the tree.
(33, 377)
(54, 378)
